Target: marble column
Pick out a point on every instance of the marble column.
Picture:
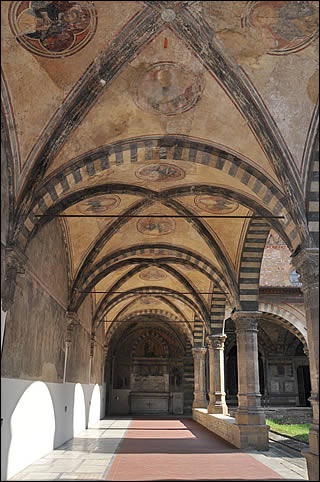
(217, 395)
(306, 263)
(200, 398)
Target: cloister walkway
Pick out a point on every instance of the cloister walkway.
(154, 448)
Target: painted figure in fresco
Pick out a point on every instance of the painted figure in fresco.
(57, 23)
(153, 274)
(216, 204)
(160, 226)
(167, 88)
(284, 24)
(95, 206)
(99, 204)
(166, 97)
(160, 172)
(220, 204)
(149, 348)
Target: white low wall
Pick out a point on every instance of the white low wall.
(38, 417)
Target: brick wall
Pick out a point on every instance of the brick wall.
(276, 267)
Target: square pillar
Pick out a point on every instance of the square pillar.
(200, 396)
(217, 395)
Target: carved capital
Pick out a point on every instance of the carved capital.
(306, 263)
(199, 352)
(105, 351)
(72, 319)
(92, 345)
(15, 261)
(246, 320)
(216, 342)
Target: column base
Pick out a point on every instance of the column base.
(247, 418)
(200, 404)
(312, 464)
(222, 409)
(199, 400)
(254, 437)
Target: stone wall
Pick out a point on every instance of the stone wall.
(33, 346)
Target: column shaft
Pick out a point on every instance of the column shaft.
(217, 395)
(200, 398)
(249, 397)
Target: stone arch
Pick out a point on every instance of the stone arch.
(250, 263)
(104, 308)
(197, 299)
(285, 319)
(311, 178)
(179, 255)
(62, 182)
(217, 312)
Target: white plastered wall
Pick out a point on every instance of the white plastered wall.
(38, 417)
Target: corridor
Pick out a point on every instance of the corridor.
(152, 448)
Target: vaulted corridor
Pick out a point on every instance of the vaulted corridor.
(156, 448)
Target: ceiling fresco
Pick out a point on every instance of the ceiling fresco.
(158, 130)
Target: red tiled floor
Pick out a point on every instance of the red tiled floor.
(181, 450)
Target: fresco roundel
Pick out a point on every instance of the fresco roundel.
(148, 300)
(216, 204)
(53, 29)
(152, 274)
(160, 172)
(156, 226)
(284, 27)
(167, 88)
(98, 204)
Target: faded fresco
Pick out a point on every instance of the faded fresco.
(148, 300)
(156, 226)
(167, 88)
(152, 274)
(285, 27)
(98, 204)
(53, 29)
(216, 204)
(160, 172)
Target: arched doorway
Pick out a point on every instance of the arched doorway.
(232, 376)
(147, 373)
(303, 377)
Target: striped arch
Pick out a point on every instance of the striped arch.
(161, 313)
(312, 190)
(172, 255)
(164, 316)
(105, 307)
(218, 308)
(115, 287)
(286, 319)
(10, 157)
(198, 332)
(74, 175)
(250, 264)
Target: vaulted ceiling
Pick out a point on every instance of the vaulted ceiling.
(157, 130)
